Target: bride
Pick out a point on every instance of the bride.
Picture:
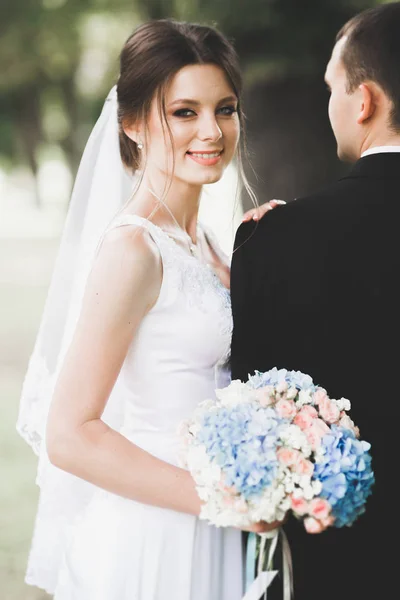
(136, 326)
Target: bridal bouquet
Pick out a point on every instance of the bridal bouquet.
(273, 445)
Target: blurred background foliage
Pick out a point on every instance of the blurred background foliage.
(58, 59)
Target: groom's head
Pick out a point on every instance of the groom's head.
(363, 75)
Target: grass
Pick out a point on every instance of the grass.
(25, 269)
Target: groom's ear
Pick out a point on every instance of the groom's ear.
(372, 97)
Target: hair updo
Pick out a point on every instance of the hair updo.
(149, 60)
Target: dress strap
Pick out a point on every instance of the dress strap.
(131, 220)
(166, 246)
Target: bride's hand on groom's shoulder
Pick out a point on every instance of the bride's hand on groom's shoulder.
(256, 214)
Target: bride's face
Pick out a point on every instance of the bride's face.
(201, 113)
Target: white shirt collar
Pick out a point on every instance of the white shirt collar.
(380, 149)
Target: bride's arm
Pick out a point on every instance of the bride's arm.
(123, 286)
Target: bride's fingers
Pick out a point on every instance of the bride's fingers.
(256, 214)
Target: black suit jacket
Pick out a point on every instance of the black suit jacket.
(315, 288)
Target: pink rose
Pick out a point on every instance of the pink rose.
(299, 505)
(320, 395)
(313, 439)
(286, 409)
(313, 525)
(305, 417)
(288, 456)
(265, 395)
(328, 521)
(304, 467)
(329, 411)
(309, 410)
(319, 508)
(347, 423)
(316, 432)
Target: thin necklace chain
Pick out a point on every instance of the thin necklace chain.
(192, 246)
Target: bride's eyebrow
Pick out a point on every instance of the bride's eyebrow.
(197, 103)
(185, 101)
(228, 99)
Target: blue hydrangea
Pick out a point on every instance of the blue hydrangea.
(346, 474)
(242, 440)
(296, 379)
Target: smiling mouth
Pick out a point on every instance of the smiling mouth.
(205, 155)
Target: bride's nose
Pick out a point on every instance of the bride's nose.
(209, 130)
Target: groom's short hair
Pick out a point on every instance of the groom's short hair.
(372, 53)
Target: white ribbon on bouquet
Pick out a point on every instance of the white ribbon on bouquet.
(259, 587)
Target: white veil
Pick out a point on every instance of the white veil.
(101, 189)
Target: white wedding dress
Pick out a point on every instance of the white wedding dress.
(119, 549)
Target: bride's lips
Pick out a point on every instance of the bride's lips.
(208, 159)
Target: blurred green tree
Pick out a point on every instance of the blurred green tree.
(58, 59)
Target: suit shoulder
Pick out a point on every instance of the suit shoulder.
(299, 214)
(318, 205)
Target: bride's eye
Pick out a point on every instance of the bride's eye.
(184, 112)
(227, 111)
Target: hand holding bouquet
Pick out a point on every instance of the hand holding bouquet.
(274, 445)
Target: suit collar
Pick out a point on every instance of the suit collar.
(383, 165)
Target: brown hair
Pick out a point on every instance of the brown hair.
(151, 57)
(372, 52)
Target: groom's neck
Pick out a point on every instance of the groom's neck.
(387, 138)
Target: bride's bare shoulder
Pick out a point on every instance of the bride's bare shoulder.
(128, 260)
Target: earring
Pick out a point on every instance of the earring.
(140, 145)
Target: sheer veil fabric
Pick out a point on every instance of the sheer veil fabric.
(101, 189)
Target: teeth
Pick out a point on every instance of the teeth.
(212, 155)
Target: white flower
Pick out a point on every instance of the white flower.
(308, 492)
(319, 454)
(298, 493)
(282, 387)
(204, 493)
(317, 487)
(293, 437)
(291, 393)
(289, 487)
(236, 393)
(305, 397)
(197, 458)
(343, 404)
(210, 475)
(305, 481)
(194, 429)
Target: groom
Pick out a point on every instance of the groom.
(315, 287)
